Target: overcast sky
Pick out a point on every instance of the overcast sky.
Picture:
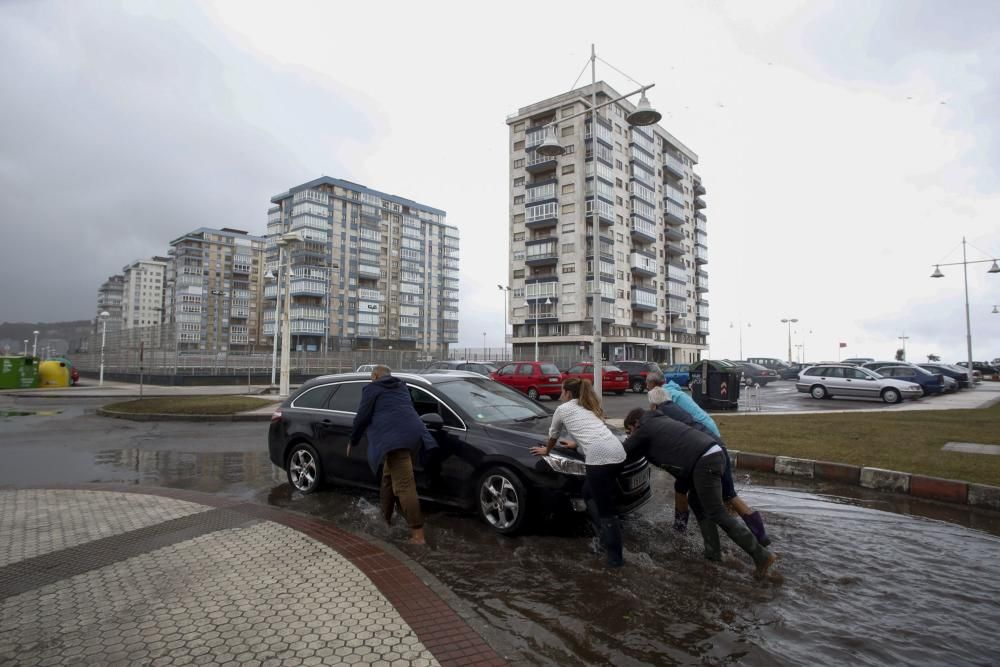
(846, 146)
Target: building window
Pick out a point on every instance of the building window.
(519, 181)
(568, 168)
(569, 208)
(519, 199)
(569, 268)
(566, 111)
(569, 188)
(519, 127)
(519, 163)
(519, 273)
(568, 247)
(568, 227)
(519, 236)
(568, 130)
(519, 145)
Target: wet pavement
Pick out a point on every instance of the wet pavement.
(863, 578)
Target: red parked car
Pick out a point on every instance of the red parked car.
(613, 379)
(534, 378)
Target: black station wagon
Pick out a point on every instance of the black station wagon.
(484, 431)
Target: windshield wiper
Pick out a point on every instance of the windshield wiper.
(528, 419)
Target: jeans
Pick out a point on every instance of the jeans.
(706, 501)
(728, 486)
(398, 483)
(599, 493)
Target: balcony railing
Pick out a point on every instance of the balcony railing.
(643, 264)
(700, 254)
(643, 228)
(308, 287)
(673, 164)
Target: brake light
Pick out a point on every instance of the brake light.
(276, 416)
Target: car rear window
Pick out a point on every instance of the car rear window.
(549, 369)
(314, 398)
(347, 398)
(612, 368)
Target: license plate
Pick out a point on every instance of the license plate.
(553, 379)
(636, 481)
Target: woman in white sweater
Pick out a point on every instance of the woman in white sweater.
(580, 415)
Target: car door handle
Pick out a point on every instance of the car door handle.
(327, 421)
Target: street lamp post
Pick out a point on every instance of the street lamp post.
(34, 347)
(506, 294)
(104, 331)
(643, 115)
(740, 336)
(965, 276)
(904, 338)
(288, 240)
(789, 322)
(548, 302)
(484, 346)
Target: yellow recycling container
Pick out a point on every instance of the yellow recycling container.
(53, 374)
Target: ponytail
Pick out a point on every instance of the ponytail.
(583, 392)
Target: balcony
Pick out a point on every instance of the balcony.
(677, 273)
(299, 327)
(239, 313)
(239, 339)
(369, 271)
(674, 249)
(675, 194)
(699, 203)
(700, 224)
(271, 292)
(673, 166)
(676, 305)
(306, 313)
(702, 285)
(643, 299)
(546, 255)
(605, 211)
(699, 189)
(643, 265)
(644, 322)
(370, 294)
(673, 213)
(673, 234)
(303, 287)
(541, 216)
(642, 230)
(537, 164)
(700, 255)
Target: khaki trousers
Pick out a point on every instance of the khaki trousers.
(398, 485)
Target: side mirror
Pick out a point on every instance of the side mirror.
(432, 421)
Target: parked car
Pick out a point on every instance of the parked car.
(769, 362)
(981, 366)
(637, 373)
(950, 384)
(791, 371)
(483, 463)
(957, 373)
(366, 368)
(478, 367)
(831, 380)
(757, 374)
(857, 361)
(930, 383)
(613, 379)
(534, 378)
(876, 365)
(679, 373)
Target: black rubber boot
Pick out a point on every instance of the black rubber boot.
(611, 534)
(755, 522)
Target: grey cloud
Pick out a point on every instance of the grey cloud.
(120, 132)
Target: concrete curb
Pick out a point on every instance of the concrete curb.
(918, 486)
(160, 417)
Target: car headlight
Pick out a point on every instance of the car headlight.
(565, 465)
(915, 387)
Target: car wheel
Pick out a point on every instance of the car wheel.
(818, 391)
(891, 395)
(304, 468)
(502, 500)
(638, 386)
(533, 394)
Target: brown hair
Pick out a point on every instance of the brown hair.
(634, 417)
(583, 392)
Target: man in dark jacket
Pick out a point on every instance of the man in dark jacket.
(395, 434)
(687, 453)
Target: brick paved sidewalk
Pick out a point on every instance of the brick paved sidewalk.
(167, 577)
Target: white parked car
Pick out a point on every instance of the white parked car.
(366, 368)
(829, 380)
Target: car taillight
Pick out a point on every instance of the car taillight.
(276, 416)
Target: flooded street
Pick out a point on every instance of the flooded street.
(863, 578)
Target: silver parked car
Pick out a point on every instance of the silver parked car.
(829, 380)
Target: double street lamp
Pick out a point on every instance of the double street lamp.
(789, 321)
(904, 338)
(506, 295)
(548, 302)
(731, 325)
(643, 115)
(34, 347)
(104, 331)
(284, 247)
(965, 276)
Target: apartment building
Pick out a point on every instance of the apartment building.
(215, 279)
(374, 270)
(638, 186)
(109, 300)
(142, 292)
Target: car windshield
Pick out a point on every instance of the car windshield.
(921, 371)
(548, 369)
(487, 402)
(611, 368)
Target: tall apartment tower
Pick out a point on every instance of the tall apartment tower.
(214, 282)
(142, 294)
(109, 300)
(638, 184)
(375, 270)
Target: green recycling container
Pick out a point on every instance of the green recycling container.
(18, 372)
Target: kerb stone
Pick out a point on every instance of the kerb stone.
(786, 465)
(885, 480)
(935, 488)
(982, 495)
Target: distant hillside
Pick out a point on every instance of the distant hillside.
(65, 337)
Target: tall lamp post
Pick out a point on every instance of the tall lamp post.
(644, 114)
(484, 346)
(104, 331)
(34, 347)
(287, 240)
(506, 295)
(904, 338)
(965, 276)
(548, 302)
(740, 336)
(789, 322)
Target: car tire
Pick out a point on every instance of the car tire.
(638, 386)
(818, 391)
(502, 500)
(891, 395)
(533, 394)
(305, 472)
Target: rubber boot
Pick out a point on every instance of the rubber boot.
(755, 522)
(710, 535)
(612, 538)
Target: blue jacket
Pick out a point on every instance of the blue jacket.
(683, 399)
(387, 416)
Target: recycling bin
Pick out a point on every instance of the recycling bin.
(715, 384)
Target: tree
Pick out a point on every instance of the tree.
(933, 357)
(900, 355)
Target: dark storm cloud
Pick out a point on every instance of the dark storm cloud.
(120, 132)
